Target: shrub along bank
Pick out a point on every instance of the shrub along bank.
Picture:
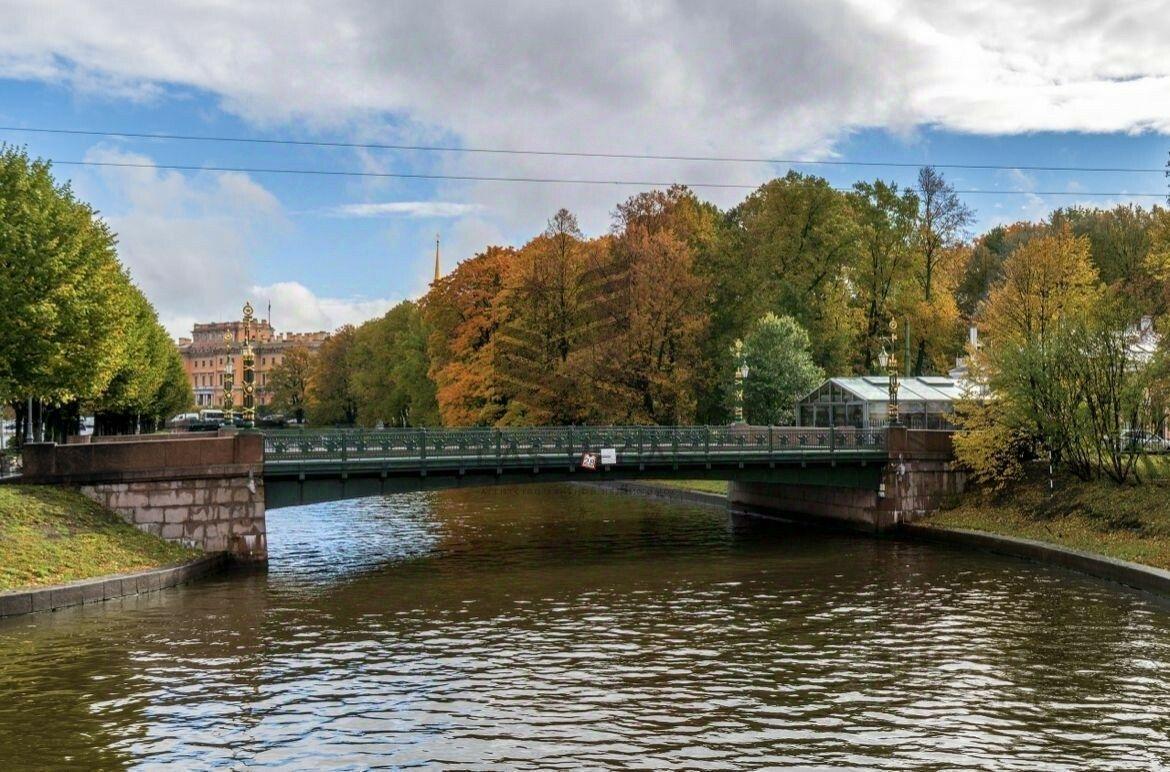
(1127, 522)
(51, 535)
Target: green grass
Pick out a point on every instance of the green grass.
(1129, 522)
(50, 535)
(703, 486)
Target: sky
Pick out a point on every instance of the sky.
(1019, 83)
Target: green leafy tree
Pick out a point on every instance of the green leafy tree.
(289, 382)
(142, 393)
(1120, 241)
(331, 398)
(777, 352)
(63, 289)
(1118, 384)
(887, 220)
(390, 365)
(788, 248)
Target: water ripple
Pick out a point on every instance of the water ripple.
(560, 628)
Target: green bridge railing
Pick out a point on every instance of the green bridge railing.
(542, 446)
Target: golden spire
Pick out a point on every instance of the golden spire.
(436, 257)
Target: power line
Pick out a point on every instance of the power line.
(539, 180)
(581, 154)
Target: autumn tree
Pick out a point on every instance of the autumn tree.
(1033, 359)
(543, 312)
(288, 382)
(462, 315)
(331, 398)
(701, 229)
(1157, 261)
(1120, 241)
(940, 229)
(651, 320)
(983, 265)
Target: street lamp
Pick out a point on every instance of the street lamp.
(888, 358)
(741, 374)
(249, 358)
(228, 379)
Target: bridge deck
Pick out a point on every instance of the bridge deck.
(478, 449)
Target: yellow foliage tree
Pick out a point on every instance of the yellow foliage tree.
(1046, 280)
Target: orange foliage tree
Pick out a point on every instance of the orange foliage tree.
(462, 316)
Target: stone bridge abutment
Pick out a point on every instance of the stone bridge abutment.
(918, 477)
(206, 491)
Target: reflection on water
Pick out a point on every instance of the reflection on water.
(560, 627)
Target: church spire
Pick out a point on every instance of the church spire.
(436, 257)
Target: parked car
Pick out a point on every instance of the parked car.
(272, 421)
(1136, 440)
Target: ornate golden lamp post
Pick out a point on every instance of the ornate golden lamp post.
(741, 374)
(889, 360)
(249, 370)
(228, 378)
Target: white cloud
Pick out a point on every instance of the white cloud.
(415, 209)
(184, 238)
(296, 308)
(188, 241)
(736, 79)
(755, 78)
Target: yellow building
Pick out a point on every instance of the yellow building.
(205, 358)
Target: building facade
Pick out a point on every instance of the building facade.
(207, 356)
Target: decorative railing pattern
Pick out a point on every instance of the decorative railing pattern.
(542, 446)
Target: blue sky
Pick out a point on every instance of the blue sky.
(843, 81)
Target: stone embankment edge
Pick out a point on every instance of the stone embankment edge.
(664, 492)
(1124, 572)
(17, 602)
(1132, 574)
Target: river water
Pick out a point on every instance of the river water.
(561, 627)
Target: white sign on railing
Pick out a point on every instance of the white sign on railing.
(608, 456)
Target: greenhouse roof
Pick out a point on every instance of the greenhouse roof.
(875, 388)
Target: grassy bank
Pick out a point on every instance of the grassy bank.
(51, 535)
(1129, 522)
(703, 486)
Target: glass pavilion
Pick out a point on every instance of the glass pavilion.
(925, 402)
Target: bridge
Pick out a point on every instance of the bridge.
(302, 467)
(213, 491)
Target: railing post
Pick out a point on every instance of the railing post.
(639, 444)
(674, 444)
(832, 439)
(422, 448)
(569, 442)
(707, 445)
(771, 441)
(498, 440)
